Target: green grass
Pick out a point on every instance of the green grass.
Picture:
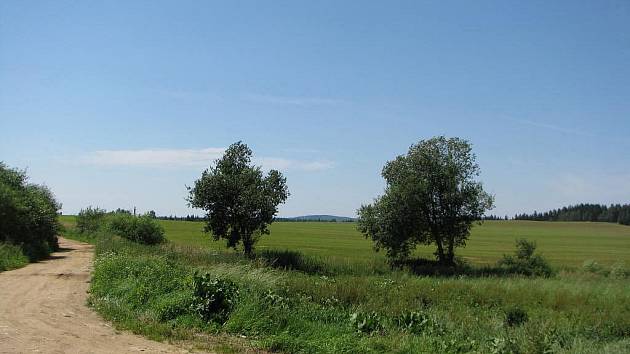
(11, 257)
(562, 243)
(147, 289)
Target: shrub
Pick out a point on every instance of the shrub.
(28, 214)
(366, 322)
(214, 298)
(525, 262)
(142, 229)
(515, 316)
(90, 220)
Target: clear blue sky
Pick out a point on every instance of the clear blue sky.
(121, 104)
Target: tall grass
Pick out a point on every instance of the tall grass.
(292, 303)
(11, 257)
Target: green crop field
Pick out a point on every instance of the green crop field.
(562, 243)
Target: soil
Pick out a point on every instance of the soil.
(43, 309)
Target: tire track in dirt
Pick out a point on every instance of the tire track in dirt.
(43, 309)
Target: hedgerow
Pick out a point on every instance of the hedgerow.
(28, 214)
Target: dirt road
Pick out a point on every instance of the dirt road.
(42, 309)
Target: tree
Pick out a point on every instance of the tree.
(239, 201)
(431, 197)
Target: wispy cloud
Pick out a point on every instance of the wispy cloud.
(291, 101)
(191, 158)
(154, 157)
(546, 126)
(592, 187)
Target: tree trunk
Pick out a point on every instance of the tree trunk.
(450, 255)
(248, 246)
(440, 250)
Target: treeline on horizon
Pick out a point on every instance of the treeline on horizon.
(615, 213)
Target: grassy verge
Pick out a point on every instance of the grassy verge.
(148, 289)
(11, 257)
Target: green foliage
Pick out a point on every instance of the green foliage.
(431, 197)
(214, 298)
(28, 214)
(366, 322)
(591, 266)
(11, 257)
(90, 220)
(618, 270)
(292, 260)
(515, 316)
(525, 262)
(413, 321)
(141, 229)
(149, 290)
(240, 203)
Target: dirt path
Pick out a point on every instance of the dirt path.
(42, 309)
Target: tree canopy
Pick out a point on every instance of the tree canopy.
(239, 200)
(431, 197)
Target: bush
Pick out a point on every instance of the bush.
(214, 298)
(525, 262)
(515, 316)
(90, 220)
(11, 257)
(28, 214)
(142, 229)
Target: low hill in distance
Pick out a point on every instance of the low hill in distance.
(318, 218)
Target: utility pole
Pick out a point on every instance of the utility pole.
(134, 211)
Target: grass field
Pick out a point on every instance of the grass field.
(566, 244)
(147, 289)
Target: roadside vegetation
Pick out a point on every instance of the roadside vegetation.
(28, 220)
(309, 306)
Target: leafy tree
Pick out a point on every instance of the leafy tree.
(431, 197)
(239, 201)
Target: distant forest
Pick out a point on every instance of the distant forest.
(183, 218)
(615, 213)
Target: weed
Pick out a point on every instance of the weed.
(214, 298)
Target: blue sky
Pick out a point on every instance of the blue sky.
(122, 104)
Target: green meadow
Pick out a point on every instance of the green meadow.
(342, 298)
(564, 244)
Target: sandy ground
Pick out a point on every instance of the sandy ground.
(43, 310)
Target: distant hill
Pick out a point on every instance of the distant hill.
(318, 218)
